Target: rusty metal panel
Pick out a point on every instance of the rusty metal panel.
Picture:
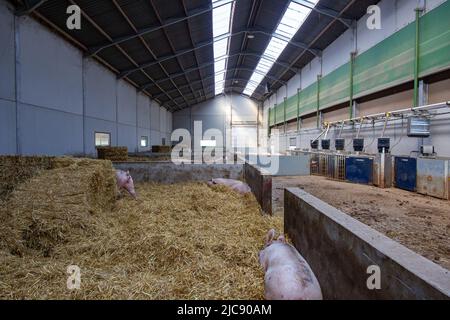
(432, 177)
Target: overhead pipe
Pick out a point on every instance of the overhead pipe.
(393, 114)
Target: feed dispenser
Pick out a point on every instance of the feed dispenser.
(358, 145)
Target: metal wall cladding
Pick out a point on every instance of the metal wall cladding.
(406, 173)
(432, 177)
(359, 170)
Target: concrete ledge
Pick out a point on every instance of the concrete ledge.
(168, 172)
(340, 249)
(298, 165)
(260, 181)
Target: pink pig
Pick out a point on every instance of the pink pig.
(287, 275)
(236, 185)
(125, 181)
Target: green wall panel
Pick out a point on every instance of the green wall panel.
(335, 87)
(435, 40)
(387, 64)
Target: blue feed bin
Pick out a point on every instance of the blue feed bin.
(359, 170)
(406, 173)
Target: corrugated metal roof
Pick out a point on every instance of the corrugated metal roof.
(175, 64)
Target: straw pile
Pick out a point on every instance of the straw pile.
(112, 153)
(184, 241)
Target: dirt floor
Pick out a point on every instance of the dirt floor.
(418, 222)
(182, 241)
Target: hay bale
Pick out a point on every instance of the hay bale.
(112, 153)
(161, 149)
(57, 206)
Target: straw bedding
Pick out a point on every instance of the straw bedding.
(183, 241)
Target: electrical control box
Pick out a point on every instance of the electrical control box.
(358, 145)
(418, 127)
(325, 144)
(384, 145)
(340, 144)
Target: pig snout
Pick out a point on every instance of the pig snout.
(287, 275)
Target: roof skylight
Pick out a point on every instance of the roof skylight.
(222, 12)
(291, 22)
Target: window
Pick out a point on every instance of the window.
(222, 22)
(291, 22)
(102, 139)
(144, 141)
(163, 141)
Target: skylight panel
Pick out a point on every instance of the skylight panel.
(289, 25)
(222, 17)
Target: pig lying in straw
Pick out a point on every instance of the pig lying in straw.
(125, 181)
(287, 275)
(236, 185)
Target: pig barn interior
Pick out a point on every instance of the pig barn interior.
(335, 114)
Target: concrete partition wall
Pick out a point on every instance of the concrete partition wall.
(340, 250)
(298, 165)
(168, 172)
(52, 100)
(260, 181)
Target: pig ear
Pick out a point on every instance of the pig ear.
(270, 235)
(282, 239)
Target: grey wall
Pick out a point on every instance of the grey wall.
(227, 113)
(52, 100)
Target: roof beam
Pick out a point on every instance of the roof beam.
(202, 66)
(208, 43)
(349, 4)
(327, 12)
(171, 45)
(165, 24)
(212, 77)
(29, 7)
(145, 44)
(210, 89)
(192, 42)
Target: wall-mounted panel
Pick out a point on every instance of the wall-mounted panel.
(143, 109)
(49, 132)
(126, 103)
(127, 137)
(7, 54)
(50, 69)
(100, 92)
(7, 127)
